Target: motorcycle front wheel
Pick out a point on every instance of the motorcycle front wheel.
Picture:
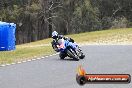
(72, 54)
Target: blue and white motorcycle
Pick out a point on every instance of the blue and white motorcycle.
(69, 49)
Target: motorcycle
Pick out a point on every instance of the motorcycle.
(69, 49)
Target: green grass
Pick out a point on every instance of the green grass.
(43, 47)
(24, 53)
(105, 36)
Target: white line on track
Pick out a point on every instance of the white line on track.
(28, 60)
(19, 62)
(42, 57)
(3, 65)
(33, 59)
(46, 56)
(38, 58)
(13, 63)
(23, 61)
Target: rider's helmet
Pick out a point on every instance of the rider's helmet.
(54, 35)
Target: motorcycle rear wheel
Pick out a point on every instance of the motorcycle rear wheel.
(62, 56)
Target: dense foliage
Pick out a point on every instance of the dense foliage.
(36, 19)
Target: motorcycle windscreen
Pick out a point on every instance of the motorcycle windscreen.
(61, 43)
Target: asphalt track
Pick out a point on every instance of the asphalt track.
(54, 73)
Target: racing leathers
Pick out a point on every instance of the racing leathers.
(55, 41)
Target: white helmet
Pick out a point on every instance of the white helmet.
(54, 34)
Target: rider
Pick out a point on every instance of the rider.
(54, 43)
(56, 37)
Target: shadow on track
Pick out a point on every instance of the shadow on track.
(67, 59)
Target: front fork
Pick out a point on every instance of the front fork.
(78, 51)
